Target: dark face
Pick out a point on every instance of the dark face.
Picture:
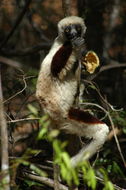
(73, 31)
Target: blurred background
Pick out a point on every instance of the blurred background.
(27, 31)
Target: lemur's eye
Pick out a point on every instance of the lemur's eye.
(78, 28)
(67, 30)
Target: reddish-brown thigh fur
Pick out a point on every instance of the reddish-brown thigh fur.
(82, 116)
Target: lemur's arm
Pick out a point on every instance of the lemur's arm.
(60, 59)
(66, 57)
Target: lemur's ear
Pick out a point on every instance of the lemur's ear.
(90, 61)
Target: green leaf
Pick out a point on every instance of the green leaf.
(75, 176)
(31, 183)
(124, 130)
(66, 159)
(42, 133)
(89, 175)
(37, 170)
(33, 110)
(53, 134)
(108, 186)
(117, 169)
(63, 171)
(91, 178)
(103, 172)
(93, 87)
(43, 119)
(56, 146)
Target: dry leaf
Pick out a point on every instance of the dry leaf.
(91, 61)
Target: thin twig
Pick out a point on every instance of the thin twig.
(10, 62)
(44, 167)
(112, 125)
(21, 120)
(116, 187)
(112, 65)
(18, 21)
(110, 119)
(47, 181)
(56, 174)
(50, 182)
(4, 142)
(100, 95)
(13, 96)
(116, 139)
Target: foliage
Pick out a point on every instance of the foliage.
(108, 184)
(62, 158)
(119, 119)
(89, 175)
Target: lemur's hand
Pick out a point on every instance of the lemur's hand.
(77, 43)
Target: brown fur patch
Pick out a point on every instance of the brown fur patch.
(60, 59)
(82, 116)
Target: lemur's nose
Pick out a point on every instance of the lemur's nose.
(73, 33)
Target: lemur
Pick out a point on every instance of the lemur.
(58, 85)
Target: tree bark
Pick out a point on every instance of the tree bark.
(4, 142)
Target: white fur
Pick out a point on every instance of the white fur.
(70, 20)
(56, 96)
(99, 135)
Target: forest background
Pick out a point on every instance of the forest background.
(27, 30)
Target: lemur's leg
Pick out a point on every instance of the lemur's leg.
(84, 124)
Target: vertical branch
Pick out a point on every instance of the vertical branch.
(70, 7)
(74, 7)
(66, 4)
(115, 13)
(112, 23)
(56, 171)
(4, 141)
